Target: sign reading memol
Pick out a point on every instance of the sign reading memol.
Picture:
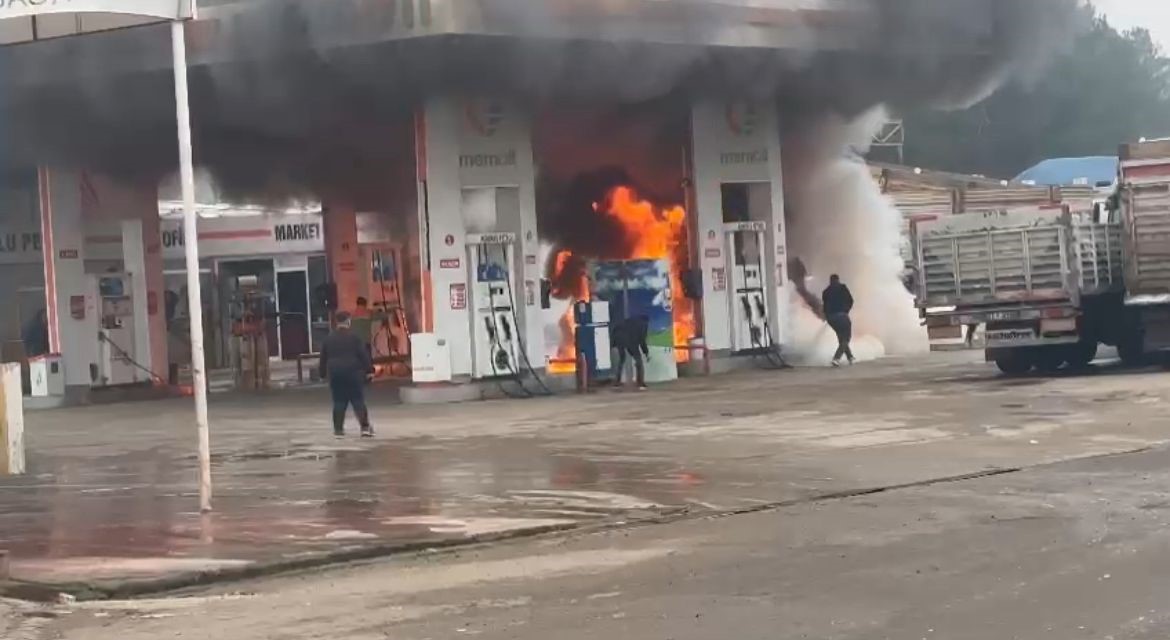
(758, 156)
(485, 160)
(162, 9)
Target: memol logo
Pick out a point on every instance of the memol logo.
(487, 160)
(484, 117)
(758, 156)
(743, 119)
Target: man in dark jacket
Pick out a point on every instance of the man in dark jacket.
(629, 336)
(35, 335)
(838, 302)
(345, 361)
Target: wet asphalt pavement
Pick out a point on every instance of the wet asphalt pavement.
(110, 494)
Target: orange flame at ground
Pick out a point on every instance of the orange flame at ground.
(649, 232)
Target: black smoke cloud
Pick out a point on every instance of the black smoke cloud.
(282, 107)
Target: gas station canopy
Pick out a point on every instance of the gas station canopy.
(28, 20)
(162, 9)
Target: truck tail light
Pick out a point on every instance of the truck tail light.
(1060, 325)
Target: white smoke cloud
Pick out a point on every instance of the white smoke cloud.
(839, 222)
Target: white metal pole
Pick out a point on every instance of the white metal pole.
(191, 246)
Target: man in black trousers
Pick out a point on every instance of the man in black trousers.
(629, 336)
(345, 361)
(838, 302)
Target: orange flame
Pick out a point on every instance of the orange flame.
(650, 232)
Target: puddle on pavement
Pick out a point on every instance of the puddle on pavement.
(133, 515)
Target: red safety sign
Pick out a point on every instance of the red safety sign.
(449, 263)
(459, 296)
(715, 253)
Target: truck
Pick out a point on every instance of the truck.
(1142, 203)
(1046, 281)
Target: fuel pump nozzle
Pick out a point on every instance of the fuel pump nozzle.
(760, 308)
(507, 327)
(490, 328)
(747, 306)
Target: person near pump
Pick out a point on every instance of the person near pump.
(629, 336)
(35, 335)
(346, 363)
(970, 339)
(171, 305)
(838, 303)
(363, 320)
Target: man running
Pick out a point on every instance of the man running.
(345, 361)
(838, 302)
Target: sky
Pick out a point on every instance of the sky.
(1151, 14)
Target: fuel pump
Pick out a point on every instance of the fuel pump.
(116, 359)
(750, 326)
(390, 334)
(496, 336)
(592, 340)
(251, 308)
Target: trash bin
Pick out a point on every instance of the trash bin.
(430, 358)
(46, 376)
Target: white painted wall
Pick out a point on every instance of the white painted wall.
(470, 143)
(72, 205)
(134, 264)
(441, 228)
(63, 233)
(130, 213)
(159, 339)
(734, 143)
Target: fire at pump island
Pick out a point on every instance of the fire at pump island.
(487, 188)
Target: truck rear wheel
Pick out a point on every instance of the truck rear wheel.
(1016, 362)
